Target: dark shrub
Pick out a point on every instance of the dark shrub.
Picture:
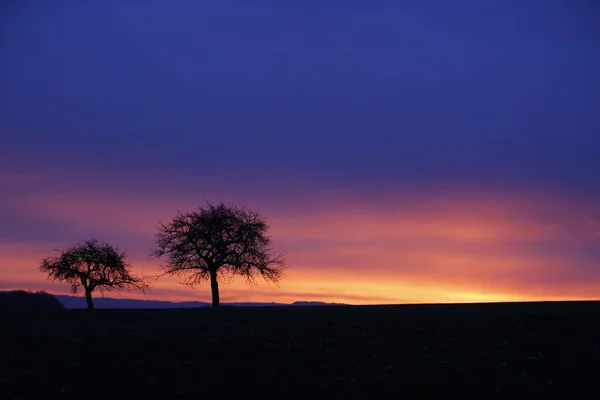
(18, 301)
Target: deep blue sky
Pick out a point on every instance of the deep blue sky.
(336, 93)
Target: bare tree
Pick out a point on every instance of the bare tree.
(218, 241)
(93, 265)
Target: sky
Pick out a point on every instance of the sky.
(402, 152)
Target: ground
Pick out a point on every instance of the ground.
(436, 351)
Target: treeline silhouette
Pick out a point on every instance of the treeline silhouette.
(22, 301)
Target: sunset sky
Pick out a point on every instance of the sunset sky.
(401, 151)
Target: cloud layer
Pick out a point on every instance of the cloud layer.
(405, 249)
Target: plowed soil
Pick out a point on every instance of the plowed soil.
(518, 350)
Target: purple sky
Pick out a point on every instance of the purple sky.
(281, 104)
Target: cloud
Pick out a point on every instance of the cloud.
(383, 248)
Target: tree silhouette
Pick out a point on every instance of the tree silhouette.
(217, 241)
(93, 265)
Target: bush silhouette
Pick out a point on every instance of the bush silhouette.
(18, 301)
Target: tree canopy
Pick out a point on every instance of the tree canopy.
(215, 242)
(92, 265)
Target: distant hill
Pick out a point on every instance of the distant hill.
(107, 302)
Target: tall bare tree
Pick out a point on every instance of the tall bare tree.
(93, 265)
(218, 241)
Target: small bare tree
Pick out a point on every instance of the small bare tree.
(93, 265)
(215, 241)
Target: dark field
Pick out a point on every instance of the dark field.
(493, 350)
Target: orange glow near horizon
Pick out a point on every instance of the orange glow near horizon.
(454, 249)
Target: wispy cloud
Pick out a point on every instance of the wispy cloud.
(384, 248)
(458, 248)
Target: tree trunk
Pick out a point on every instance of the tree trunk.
(88, 299)
(214, 287)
